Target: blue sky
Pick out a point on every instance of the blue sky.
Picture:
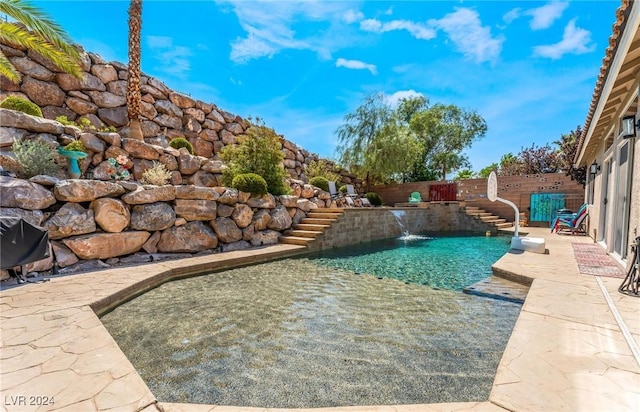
(528, 67)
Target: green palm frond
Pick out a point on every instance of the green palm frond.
(8, 70)
(13, 34)
(40, 23)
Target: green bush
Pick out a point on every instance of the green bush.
(320, 182)
(250, 183)
(179, 142)
(259, 151)
(21, 105)
(76, 145)
(35, 158)
(342, 189)
(374, 198)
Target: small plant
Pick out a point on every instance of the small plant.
(179, 142)
(374, 198)
(250, 183)
(322, 168)
(84, 124)
(156, 175)
(342, 189)
(35, 158)
(119, 168)
(320, 182)
(21, 105)
(76, 145)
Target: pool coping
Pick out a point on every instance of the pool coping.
(53, 344)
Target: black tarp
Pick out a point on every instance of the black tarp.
(21, 242)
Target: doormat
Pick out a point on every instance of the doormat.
(593, 260)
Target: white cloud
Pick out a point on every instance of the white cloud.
(465, 30)
(356, 65)
(574, 41)
(544, 16)
(511, 15)
(417, 30)
(268, 26)
(393, 99)
(352, 16)
(174, 60)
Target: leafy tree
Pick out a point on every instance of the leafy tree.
(412, 142)
(322, 168)
(510, 165)
(541, 159)
(486, 171)
(133, 79)
(568, 146)
(34, 30)
(259, 151)
(464, 174)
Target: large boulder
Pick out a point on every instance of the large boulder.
(191, 237)
(80, 190)
(64, 256)
(226, 229)
(152, 216)
(267, 201)
(229, 197)
(106, 245)
(35, 217)
(196, 192)
(280, 219)
(72, 219)
(265, 237)
(289, 200)
(261, 219)
(111, 214)
(42, 93)
(24, 194)
(195, 209)
(140, 149)
(242, 215)
(150, 195)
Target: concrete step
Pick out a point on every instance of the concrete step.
(504, 225)
(323, 215)
(317, 221)
(295, 240)
(303, 233)
(489, 218)
(311, 226)
(494, 220)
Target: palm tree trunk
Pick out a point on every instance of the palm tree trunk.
(133, 80)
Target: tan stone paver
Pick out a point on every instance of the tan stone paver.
(567, 351)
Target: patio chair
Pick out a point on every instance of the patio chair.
(574, 225)
(567, 216)
(351, 192)
(415, 197)
(335, 195)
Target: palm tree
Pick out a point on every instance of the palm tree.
(133, 79)
(34, 30)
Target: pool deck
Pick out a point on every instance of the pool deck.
(574, 346)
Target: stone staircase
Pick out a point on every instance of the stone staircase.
(488, 217)
(311, 226)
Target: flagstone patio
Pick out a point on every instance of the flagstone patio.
(574, 346)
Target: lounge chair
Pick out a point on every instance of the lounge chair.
(567, 216)
(351, 192)
(335, 195)
(415, 197)
(574, 224)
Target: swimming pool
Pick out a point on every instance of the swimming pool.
(301, 333)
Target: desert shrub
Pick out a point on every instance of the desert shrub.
(156, 175)
(35, 158)
(250, 183)
(84, 124)
(342, 189)
(320, 182)
(179, 142)
(374, 198)
(259, 151)
(21, 105)
(76, 145)
(321, 168)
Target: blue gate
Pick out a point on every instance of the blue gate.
(544, 206)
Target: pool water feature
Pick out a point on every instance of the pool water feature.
(296, 333)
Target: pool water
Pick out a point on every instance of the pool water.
(297, 333)
(442, 260)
